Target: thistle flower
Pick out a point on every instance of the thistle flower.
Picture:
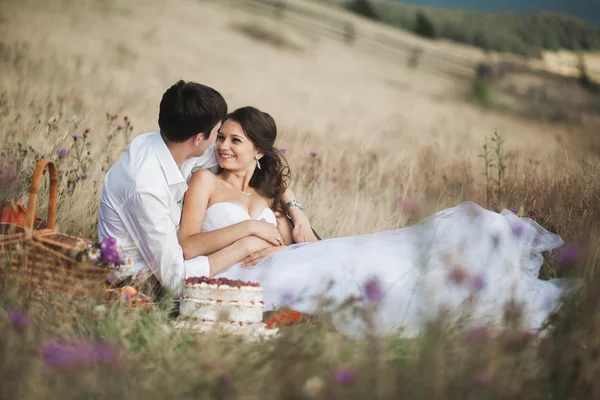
(225, 378)
(19, 320)
(63, 152)
(344, 376)
(477, 283)
(64, 355)
(314, 154)
(283, 150)
(567, 255)
(373, 292)
(81, 177)
(482, 379)
(75, 137)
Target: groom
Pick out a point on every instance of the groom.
(142, 197)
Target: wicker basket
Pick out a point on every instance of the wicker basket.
(28, 256)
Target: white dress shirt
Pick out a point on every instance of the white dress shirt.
(141, 207)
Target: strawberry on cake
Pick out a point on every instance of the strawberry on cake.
(231, 306)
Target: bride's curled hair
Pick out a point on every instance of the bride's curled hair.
(273, 177)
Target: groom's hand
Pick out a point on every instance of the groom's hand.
(254, 259)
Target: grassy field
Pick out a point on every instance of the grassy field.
(394, 142)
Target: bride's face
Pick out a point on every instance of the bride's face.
(234, 150)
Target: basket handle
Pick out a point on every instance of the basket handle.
(33, 193)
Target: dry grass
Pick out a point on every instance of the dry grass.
(384, 132)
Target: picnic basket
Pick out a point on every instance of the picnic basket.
(37, 257)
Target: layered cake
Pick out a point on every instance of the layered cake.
(229, 306)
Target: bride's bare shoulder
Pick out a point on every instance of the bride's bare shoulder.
(203, 178)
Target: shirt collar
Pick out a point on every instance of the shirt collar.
(167, 162)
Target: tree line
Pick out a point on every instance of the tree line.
(505, 31)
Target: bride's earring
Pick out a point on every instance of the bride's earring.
(257, 163)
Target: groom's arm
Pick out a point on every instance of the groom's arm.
(146, 216)
(302, 230)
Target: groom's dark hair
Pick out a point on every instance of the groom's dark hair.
(189, 108)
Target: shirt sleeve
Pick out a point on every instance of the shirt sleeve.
(146, 218)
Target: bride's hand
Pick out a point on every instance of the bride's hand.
(303, 232)
(266, 231)
(254, 259)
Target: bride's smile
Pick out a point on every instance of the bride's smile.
(235, 151)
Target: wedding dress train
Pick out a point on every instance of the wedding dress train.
(466, 260)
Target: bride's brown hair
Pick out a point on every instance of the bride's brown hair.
(273, 177)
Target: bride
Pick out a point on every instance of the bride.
(465, 260)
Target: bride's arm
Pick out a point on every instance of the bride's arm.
(195, 243)
(302, 229)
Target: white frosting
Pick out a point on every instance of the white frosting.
(224, 293)
(212, 310)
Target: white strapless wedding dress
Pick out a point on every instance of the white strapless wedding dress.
(465, 260)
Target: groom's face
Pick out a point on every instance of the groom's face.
(206, 143)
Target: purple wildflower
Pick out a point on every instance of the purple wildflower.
(513, 210)
(108, 243)
(477, 283)
(568, 254)
(81, 177)
(77, 354)
(111, 256)
(283, 150)
(287, 298)
(517, 229)
(63, 152)
(127, 297)
(344, 376)
(119, 127)
(373, 291)
(482, 379)
(75, 137)
(314, 154)
(225, 378)
(19, 320)
(87, 130)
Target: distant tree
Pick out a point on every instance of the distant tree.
(364, 8)
(424, 27)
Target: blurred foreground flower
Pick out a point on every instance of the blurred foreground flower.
(66, 355)
(225, 378)
(457, 275)
(19, 320)
(482, 379)
(477, 283)
(344, 376)
(408, 205)
(568, 255)
(373, 291)
(314, 387)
